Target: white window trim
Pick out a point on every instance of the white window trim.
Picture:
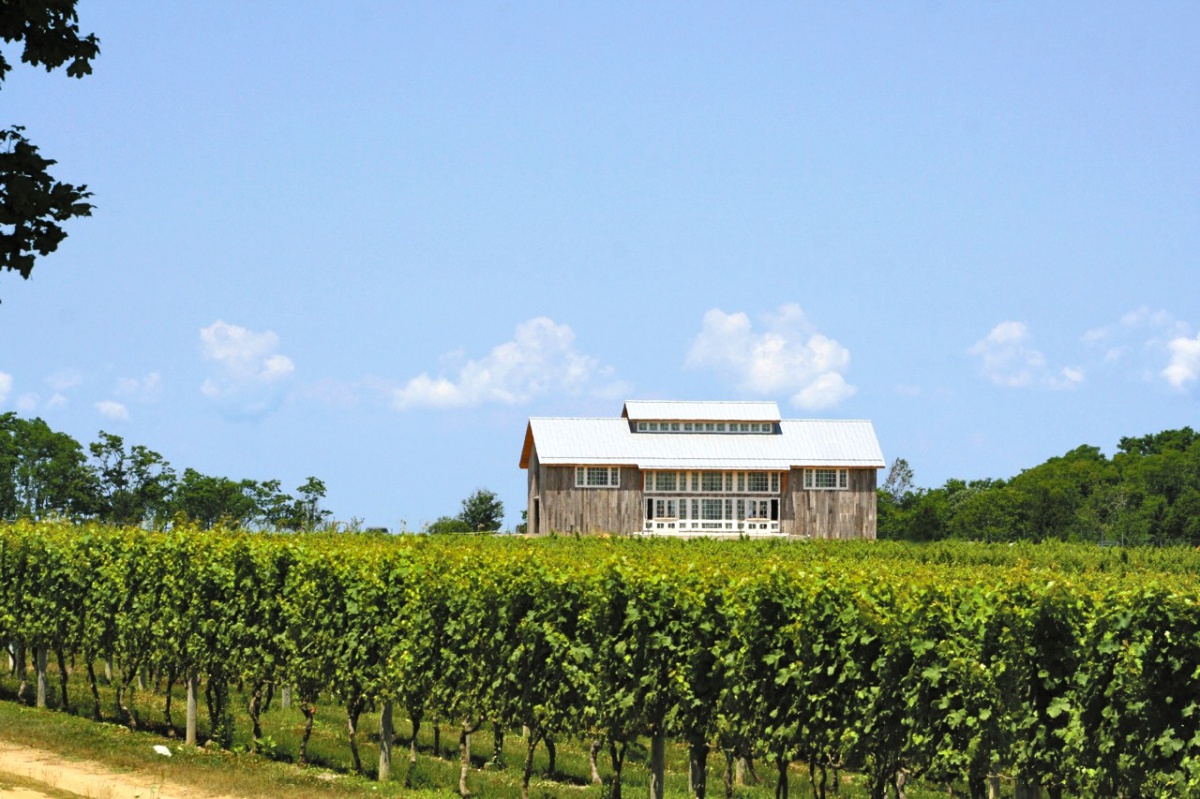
(731, 483)
(717, 428)
(842, 480)
(614, 477)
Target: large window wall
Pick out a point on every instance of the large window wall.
(711, 501)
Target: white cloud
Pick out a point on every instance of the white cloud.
(789, 357)
(1184, 366)
(1008, 358)
(1072, 375)
(6, 384)
(248, 371)
(1141, 341)
(112, 410)
(27, 403)
(57, 401)
(64, 379)
(540, 359)
(146, 389)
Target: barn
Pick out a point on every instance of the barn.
(720, 469)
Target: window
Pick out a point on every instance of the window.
(825, 479)
(664, 509)
(597, 477)
(758, 509)
(704, 427)
(757, 481)
(711, 481)
(711, 509)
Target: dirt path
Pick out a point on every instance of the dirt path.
(84, 778)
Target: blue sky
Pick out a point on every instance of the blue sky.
(367, 241)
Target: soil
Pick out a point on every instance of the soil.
(83, 778)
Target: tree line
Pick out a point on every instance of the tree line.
(1147, 493)
(45, 474)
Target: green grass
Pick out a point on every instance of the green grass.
(74, 735)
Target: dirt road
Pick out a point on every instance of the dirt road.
(84, 778)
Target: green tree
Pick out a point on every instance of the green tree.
(32, 202)
(305, 513)
(273, 507)
(482, 511)
(899, 480)
(209, 500)
(448, 524)
(42, 472)
(131, 487)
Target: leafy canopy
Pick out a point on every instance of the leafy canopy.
(32, 201)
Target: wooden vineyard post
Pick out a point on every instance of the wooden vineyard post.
(192, 686)
(386, 733)
(658, 751)
(39, 656)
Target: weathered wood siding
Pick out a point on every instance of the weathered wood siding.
(812, 513)
(563, 508)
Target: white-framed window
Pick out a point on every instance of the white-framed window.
(713, 482)
(705, 427)
(597, 477)
(826, 479)
(758, 509)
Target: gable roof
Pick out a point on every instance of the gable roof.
(676, 411)
(800, 442)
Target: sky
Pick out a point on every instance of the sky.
(366, 241)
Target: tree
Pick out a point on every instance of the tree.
(449, 524)
(482, 511)
(306, 512)
(209, 500)
(42, 473)
(899, 480)
(32, 202)
(131, 487)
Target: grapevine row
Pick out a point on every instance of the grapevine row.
(1067, 669)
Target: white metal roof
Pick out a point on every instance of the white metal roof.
(677, 411)
(801, 442)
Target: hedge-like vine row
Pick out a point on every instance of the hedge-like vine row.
(1067, 668)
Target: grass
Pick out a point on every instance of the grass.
(73, 734)
(11, 782)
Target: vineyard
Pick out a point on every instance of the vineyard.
(1048, 669)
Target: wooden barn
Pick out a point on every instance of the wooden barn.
(702, 469)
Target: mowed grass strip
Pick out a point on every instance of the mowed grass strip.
(237, 772)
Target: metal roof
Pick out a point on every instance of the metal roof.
(800, 442)
(676, 411)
